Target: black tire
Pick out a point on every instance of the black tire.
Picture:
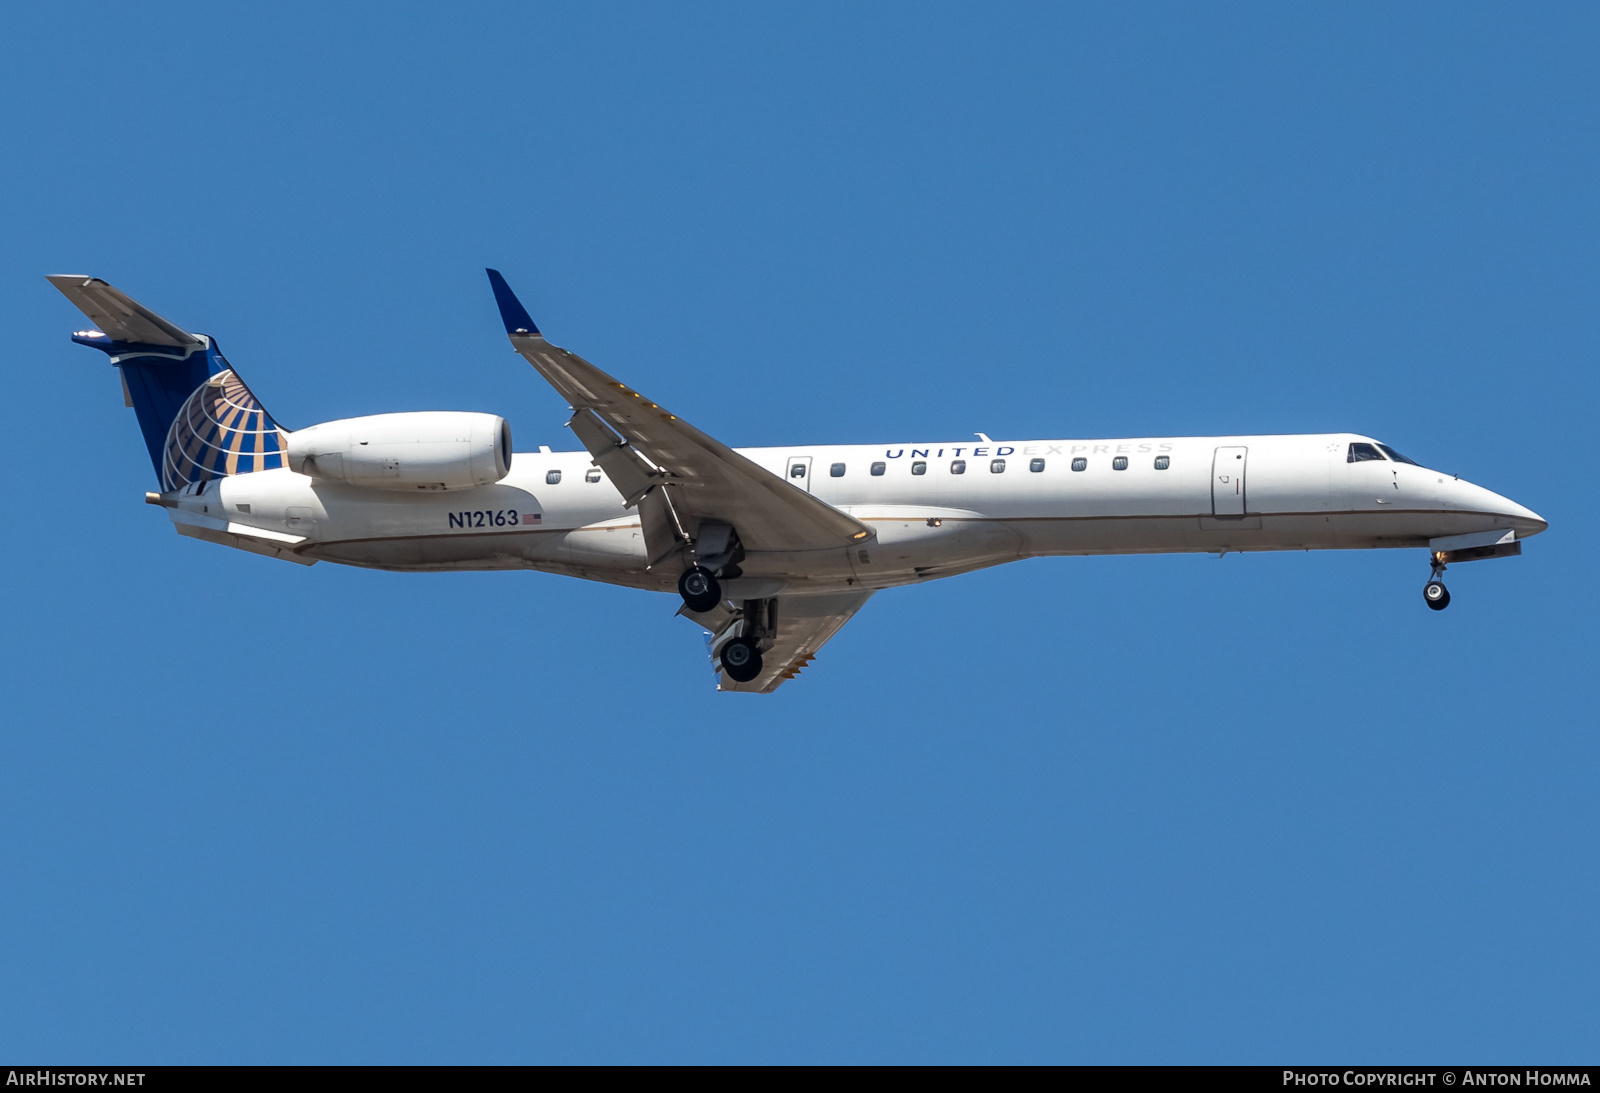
(741, 660)
(699, 589)
(1436, 595)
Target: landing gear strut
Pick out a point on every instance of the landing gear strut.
(1434, 593)
(758, 625)
(699, 588)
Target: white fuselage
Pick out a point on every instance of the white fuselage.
(1215, 494)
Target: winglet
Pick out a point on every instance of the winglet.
(512, 313)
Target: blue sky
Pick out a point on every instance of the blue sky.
(1175, 809)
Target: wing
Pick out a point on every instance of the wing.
(677, 475)
(800, 625)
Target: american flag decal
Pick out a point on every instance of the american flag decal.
(530, 518)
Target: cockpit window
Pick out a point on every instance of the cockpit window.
(1396, 456)
(1360, 453)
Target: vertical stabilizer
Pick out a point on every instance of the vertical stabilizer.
(198, 418)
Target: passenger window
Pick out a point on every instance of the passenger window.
(836, 471)
(1120, 463)
(879, 468)
(593, 475)
(958, 466)
(552, 477)
(919, 467)
(1036, 465)
(1163, 462)
(1360, 453)
(997, 466)
(1080, 464)
(797, 471)
(1396, 456)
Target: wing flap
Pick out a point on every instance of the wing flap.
(626, 468)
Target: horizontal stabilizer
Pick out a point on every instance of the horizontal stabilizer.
(124, 319)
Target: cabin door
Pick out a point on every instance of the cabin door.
(797, 469)
(1227, 481)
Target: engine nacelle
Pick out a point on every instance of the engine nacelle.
(430, 450)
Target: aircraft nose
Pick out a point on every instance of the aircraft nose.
(1523, 519)
(1526, 521)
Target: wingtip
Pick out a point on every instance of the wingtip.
(512, 313)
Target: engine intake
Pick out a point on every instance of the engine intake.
(429, 450)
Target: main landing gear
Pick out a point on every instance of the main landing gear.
(699, 588)
(753, 627)
(1434, 593)
(716, 549)
(741, 659)
(740, 656)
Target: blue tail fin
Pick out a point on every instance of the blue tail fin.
(512, 313)
(198, 418)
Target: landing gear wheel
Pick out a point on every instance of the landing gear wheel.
(741, 660)
(699, 589)
(1437, 595)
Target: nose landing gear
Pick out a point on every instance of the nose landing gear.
(1434, 593)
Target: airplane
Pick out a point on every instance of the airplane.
(771, 550)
